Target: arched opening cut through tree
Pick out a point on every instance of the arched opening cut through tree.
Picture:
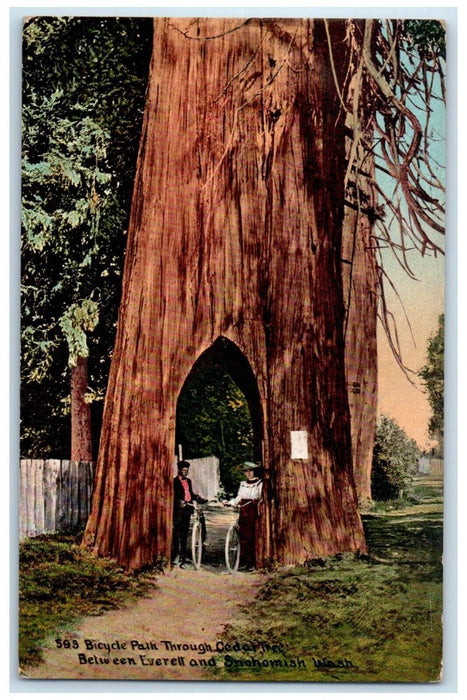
(219, 412)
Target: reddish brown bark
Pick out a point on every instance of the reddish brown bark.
(361, 295)
(361, 286)
(81, 435)
(235, 248)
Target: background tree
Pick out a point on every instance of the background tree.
(62, 224)
(432, 375)
(83, 94)
(395, 459)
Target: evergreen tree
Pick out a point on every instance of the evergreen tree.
(254, 133)
(83, 94)
(432, 374)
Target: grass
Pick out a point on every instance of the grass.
(421, 490)
(59, 582)
(375, 619)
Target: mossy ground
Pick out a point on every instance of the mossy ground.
(375, 619)
(59, 582)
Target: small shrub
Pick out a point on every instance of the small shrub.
(395, 458)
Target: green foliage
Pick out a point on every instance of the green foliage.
(59, 582)
(395, 457)
(427, 36)
(84, 82)
(213, 419)
(383, 614)
(432, 375)
(76, 322)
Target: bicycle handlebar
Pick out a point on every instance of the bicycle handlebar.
(239, 505)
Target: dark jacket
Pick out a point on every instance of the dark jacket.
(179, 494)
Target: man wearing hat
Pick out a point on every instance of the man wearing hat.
(249, 493)
(184, 497)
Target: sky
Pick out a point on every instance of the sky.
(423, 301)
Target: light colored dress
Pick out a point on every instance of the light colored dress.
(247, 492)
(247, 499)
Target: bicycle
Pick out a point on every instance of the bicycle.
(232, 541)
(232, 546)
(198, 535)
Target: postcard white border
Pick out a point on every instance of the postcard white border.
(9, 295)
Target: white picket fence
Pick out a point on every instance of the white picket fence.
(54, 495)
(431, 466)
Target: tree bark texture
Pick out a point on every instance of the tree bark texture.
(361, 283)
(81, 432)
(234, 256)
(360, 276)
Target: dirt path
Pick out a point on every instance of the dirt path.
(172, 635)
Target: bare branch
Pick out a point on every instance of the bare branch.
(208, 38)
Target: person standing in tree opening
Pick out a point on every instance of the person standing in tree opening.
(184, 497)
(249, 493)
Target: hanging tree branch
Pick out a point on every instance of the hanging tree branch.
(406, 138)
(397, 69)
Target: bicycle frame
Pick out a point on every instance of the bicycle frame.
(198, 534)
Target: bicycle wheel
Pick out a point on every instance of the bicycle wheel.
(232, 549)
(196, 545)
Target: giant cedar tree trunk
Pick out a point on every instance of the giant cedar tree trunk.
(81, 434)
(235, 235)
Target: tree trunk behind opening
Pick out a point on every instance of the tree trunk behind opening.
(361, 289)
(235, 233)
(361, 294)
(81, 434)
